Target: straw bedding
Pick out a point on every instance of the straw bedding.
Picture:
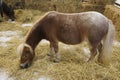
(73, 65)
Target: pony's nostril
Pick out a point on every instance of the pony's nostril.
(26, 66)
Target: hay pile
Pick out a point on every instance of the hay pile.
(113, 13)
(73, 65)
(58, 5)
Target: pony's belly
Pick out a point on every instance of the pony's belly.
(69, 33)
(70, 41)
(70, 38)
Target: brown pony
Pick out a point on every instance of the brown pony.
(69, 29)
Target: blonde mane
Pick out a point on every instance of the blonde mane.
(21, 47)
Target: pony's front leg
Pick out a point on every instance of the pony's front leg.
(57, 53)
(58, 56)
(54, 50)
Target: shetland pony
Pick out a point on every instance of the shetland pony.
(70, 29)
(6, 10)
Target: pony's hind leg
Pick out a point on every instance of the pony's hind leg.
(100, 51)
(93, 53)
(94, 47)
(100, 48)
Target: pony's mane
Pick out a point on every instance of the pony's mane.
(36, 23)
(21, 47)
(44, 16)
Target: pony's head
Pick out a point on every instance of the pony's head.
(27, 55)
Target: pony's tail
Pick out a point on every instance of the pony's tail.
(105, 56)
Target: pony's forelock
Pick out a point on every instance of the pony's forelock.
(21, 47)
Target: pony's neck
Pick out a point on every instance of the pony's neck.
(35, 36)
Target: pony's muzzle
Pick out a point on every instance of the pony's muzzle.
(23, 66)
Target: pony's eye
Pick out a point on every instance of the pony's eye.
(26, 56)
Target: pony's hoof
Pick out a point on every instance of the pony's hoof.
(56, 60)
(48, 54)
(88, 60)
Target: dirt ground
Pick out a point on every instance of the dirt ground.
(73, 65)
